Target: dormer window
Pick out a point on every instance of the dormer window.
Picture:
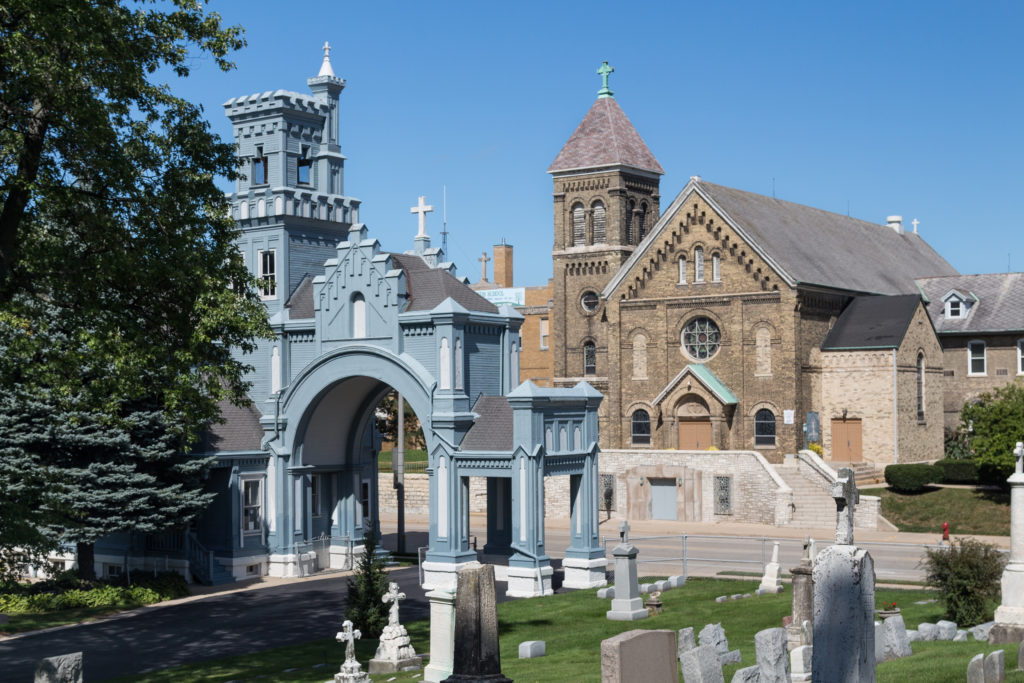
(956, 306)
(305, 163)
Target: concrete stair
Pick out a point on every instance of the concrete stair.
(863, 472)
(814, 506)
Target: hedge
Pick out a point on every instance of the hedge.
(66, 592)
(958, 471)
(911, 478)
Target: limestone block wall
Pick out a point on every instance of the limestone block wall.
(862, 383)
(919, 439)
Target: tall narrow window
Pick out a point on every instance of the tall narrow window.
(640, 428)
(639, 357)
(267, 263)
(544, 334)
(920, 387)
(252, 506)
(260, 172)
(641, 224)
(682, 269)
(976, 358)
(698, 264)
(630, 208)
(1020, 357)
(315, 491)
(589, 358)
(305, 163)
(579, 224)
(764, 428)
(364, 499)
(445, 364)
(358, 316)
(763, 352)
(459, 363)
(716, 267)
(599, 222)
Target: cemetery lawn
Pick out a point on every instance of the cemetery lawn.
(415, 460)
(968, 511)
(573, 626)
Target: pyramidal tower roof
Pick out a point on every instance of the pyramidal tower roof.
(605, 137)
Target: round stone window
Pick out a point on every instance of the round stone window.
(589, 301)
(701, 338)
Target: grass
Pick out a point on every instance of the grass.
(415, 460)
(573, 626)
(968, 511)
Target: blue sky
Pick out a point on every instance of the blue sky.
(866, 108)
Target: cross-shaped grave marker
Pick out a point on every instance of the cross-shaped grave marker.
(422, 209)
(348, 635)
(845, 492)
(393, 596)
(624, 531)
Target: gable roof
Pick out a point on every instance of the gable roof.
(809, 246)
(492, 429)
(428, 287)
(605, 137)
(300, 303)
(998, 305)
(241, 430)
(705, 377)
(872, 322)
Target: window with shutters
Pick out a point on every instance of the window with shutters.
(266, 262)
(579, 224)
(682, 269)
(589, 358)
(600, 223)
(698, 264)
(639, 357)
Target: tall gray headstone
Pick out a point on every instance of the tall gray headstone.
(639, 655)
(627, 605)
(976, 669)
(60, 669)
(701, 665)
(477, 655)
(772, 655)
(844, 599)
(803, 599)
(685, 641)
(1009, 617)
(995, 667)
(896, 642)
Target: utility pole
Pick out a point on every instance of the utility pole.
(398, 468)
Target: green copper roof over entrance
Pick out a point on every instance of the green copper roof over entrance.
(705, 377)
(603, 71)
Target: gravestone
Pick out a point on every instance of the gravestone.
(531, 649)
(1009, 617)
(945, 630)
(351, 670)
(685, 641)
(477, 655)
(395, 651)
(928, 631)
(844, 598)
(701, 665)
(639, 655)
(442, 635)
(714, 636)
(800, 663)
(771, 581)
(803, 599)
(976, 669)
(896, 643)
(772, 655)
(748, 674)
(60, 669)
(627, 605)
(995, 667)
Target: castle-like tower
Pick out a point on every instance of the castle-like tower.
(606, 198)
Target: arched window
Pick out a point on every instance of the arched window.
(358, 316)
(763, 351)
(589, 358)
(579, 224)
(641, 224)
(764, 428)
(639, 357)
(600, 223)
(641, 428)
(920, 387)
(630, 208)
(698, 264)
(716, 267)
(682, 269)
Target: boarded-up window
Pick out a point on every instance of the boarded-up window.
(763, 346)
(698, 264)
(599, 222)
(579, 225)
(358, 316)
(639, 357)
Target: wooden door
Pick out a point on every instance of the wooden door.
(694, 435)
(846, 441)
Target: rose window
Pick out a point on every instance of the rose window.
(701, 338)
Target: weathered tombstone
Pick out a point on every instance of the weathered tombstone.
(701, 665)
(772, 655)
(800, 663)
(395, 651)
(844, 598)
(803, 599)
(351, 670)
(960, 637)
(531, 649)
(1009, 618)
(928, 631)
(685, 641)
(976, 669)
(442, 635)
(896, 642)
(477, 655)
(995, 667)
(627, 605)
(60, 669)
(714, 636)
(639, 655)
(748, 674)
(771, 581)
(945, 630)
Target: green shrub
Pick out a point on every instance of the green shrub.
(911, 478)
(958, 471)
(956, 446)
(967, 575)
(68, 592)
(816, 448)
(993, 423)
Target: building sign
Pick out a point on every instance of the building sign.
(787, 417)
(505, 295)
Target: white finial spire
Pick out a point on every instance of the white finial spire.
(325, 68)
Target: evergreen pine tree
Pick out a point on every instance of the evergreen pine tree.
(365, 607)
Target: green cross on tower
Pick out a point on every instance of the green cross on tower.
(603, 72)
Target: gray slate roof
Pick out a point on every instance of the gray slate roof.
(605, 137)
(492, 431)
(300, 303)
(872, 322)
(241, 430)
(819, 247)
(428, 287)
(999, 306)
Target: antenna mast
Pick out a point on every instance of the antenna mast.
(444, 219)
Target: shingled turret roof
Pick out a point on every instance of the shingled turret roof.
(605, 137)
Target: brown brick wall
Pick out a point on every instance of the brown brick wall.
(535, 361)
(959, 387)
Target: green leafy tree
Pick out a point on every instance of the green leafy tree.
(967, 575)
(364, 605)
(124, 306)
(993, 424)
